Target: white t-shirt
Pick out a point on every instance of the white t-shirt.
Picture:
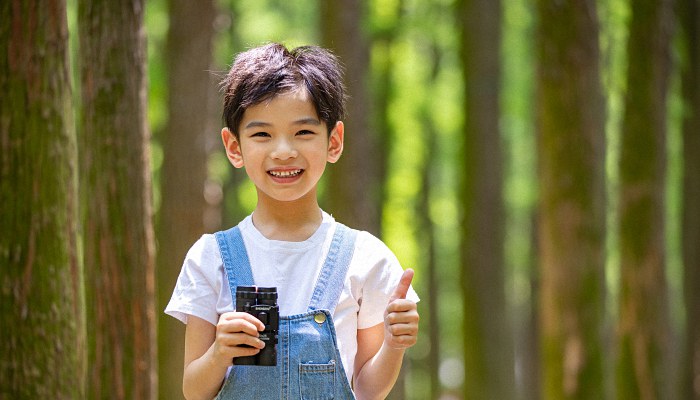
(202, 288)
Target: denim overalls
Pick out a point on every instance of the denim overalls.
(308, 361)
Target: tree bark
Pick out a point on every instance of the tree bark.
(488, 347)
(184, 171)
(571, 210)
(643, 326)
(42, 316)
(116, 193)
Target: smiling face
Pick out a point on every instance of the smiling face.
(284, 147)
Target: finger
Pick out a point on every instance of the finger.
(403, 330)
(237, 316)
(239, 325)
(244, 352)
(401, 305)
(402, 288)
(237, 345)
(241, 339)
(402, 318)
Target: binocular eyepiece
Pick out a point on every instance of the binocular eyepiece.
(261, 303)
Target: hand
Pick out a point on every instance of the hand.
(233, 330)
(401, 316)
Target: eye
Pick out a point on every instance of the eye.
(305, 132)
(260, 135)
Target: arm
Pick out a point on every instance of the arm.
(380, 349)
(209, 350)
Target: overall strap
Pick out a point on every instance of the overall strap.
(235, 258)
(331, 279)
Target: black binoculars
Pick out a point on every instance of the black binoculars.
(262, 304)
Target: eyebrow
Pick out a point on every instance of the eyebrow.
(301, 121)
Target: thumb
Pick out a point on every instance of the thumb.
(402, 288)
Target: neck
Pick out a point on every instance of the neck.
(292, 221)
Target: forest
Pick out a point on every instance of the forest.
(537, 163)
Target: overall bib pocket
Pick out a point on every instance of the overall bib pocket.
(317, 381)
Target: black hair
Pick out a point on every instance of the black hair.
(263, 72)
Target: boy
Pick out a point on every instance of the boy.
(347, 310)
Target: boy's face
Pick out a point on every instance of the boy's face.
(284, 146)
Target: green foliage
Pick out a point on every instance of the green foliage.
(519, 136)
(674, 201)
(293, 23)
(614, 16)
(156, 31)
(156, 25)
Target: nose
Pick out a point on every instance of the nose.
(283, 150)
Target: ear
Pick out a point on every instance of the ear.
(233, 148)
(335, 142)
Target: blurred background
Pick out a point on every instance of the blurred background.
(536, 162)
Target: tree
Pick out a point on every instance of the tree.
(354, 183)
(116, 193)
(488, 350)
(643, 325)
(689, 12)
(571, 209)
(428, 238)
(42, 299)
(184, 169)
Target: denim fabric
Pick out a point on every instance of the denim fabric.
(308, 361)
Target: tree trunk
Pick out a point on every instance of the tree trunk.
(184, 172)
(690, 20)
(354, 183)
(488, 348)
(116, 191)
(427, 235)
(531, 357)
(643, 325)
(42, 316)
(570, 121)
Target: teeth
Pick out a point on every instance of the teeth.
(285, 174)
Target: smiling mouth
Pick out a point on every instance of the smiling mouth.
(286, 174)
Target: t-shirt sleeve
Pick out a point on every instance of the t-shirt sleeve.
(383, 274)
(196, 290)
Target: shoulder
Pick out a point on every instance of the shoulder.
(370, 254)
(200, 282)
(202, 263)
(370, 249)
(373, 262)
(376, 268)
(205, 251)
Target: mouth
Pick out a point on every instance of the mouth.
(285, 173)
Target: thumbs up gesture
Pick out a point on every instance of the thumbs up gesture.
(401, 316)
